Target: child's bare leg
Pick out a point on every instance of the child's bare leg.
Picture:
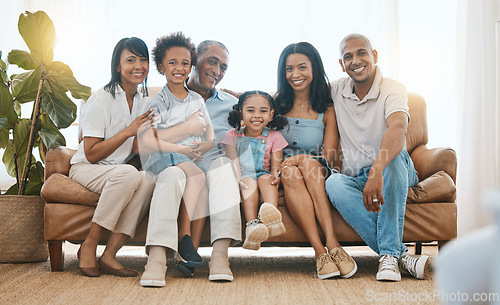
(268, 191)
(255, 232)
(183, 221)
(200, 216)
(250, 199)
(195, 180)
(268, 212)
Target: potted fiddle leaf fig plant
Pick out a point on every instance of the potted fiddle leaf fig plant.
(45, 85)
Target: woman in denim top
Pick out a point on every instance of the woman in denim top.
(303, 97)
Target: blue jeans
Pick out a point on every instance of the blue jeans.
(382, 231)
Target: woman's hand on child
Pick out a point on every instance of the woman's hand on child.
(196, 124)
(137, 124)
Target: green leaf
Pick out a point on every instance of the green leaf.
(21, 136)
(51, 137)
(4, 123)
(61, 110)
(3, 76)
(17, 108)
(3, 66)
(62, 74)
(4, 138)
(35, 180)
(7, 104)
(22, 59)
(16, 149)
(9, 159)
(25, 85)
(34, 183)
(12, 190)
(39, 34)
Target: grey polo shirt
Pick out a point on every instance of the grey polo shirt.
(362, 123)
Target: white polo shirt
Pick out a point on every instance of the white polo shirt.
(103, 116)
(362, 123)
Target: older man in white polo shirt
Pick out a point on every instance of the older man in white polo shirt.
(370, 193)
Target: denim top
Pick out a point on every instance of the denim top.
(304, 136)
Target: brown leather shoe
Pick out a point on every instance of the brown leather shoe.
(123, 272)
(88, 271)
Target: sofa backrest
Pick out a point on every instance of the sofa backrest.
(417, 128)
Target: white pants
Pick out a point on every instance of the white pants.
(223, 201)
(124, 191)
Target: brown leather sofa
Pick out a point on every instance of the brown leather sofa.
(431, 212)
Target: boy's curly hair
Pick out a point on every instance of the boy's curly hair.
(176, 39)
(234, 118)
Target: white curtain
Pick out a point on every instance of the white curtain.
(479, 77)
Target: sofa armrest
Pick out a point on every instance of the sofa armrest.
(430, 161)
(57, 160)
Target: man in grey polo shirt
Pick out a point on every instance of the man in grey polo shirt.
(370, 193)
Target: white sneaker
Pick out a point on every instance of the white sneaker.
(154, 275)
(414, 264)
(255, 233)
(388, 269)
(219, 270)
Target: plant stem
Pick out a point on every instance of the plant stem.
(27, 161)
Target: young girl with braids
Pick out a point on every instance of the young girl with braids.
(257, 151)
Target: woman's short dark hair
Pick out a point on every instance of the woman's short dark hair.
(176, 39)
(134, 45)
(234, 119)
(319, 94)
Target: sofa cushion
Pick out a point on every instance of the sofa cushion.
(61, 188)
(436, 188)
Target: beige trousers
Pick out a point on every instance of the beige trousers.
(125, 194)
(223, 200)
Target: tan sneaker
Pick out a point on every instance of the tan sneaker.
(271, 217)
(344, 262)
(154, 275)
(255, 233)
(325, 267)
(219, 268)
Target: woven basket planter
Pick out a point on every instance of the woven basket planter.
(21, 229)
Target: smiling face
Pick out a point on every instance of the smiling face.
(256, 114)
(358, 60)
(133, 69)
(176, 65)
(299, 73)
(211, 67)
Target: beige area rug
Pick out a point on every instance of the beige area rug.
(268, 276)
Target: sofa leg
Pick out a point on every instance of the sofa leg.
(418, 248)
(56, 255)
